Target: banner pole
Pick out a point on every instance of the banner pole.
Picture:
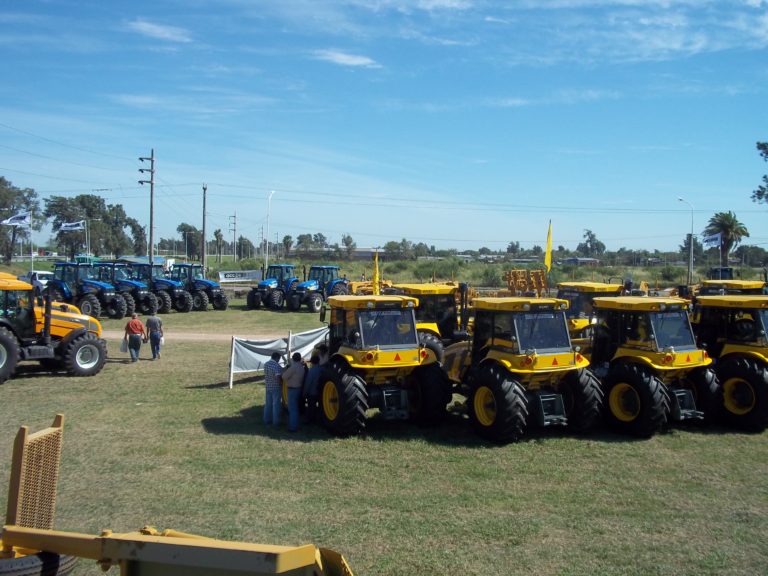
(231, 363)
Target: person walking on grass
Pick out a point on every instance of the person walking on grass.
(155, 331)
(293, 376)
(272, 383)
(134, 334)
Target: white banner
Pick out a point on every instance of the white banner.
(239, 276)
(21, 219)
(72, 226)
(713, 240)
(251, 355)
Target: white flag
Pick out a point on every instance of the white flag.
(71, 226)
(21, 219)
(713, 240)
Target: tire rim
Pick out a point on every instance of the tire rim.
(3, 356)
(330, 401)
(88, 356)
(739, 396)
(485, 406)
(624, 402)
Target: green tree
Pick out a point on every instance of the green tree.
(191, 238)
(591, 246)
(513, 248)
(287, 245)
(349, 245)
(218, 236)
(698, 250)
(761, 194)
(304, 242)
(15, 201)
(730, 229)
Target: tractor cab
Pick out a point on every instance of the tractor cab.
(715, 287)
(580, 313)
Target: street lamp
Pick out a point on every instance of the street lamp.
(690, 242)
(266, 251)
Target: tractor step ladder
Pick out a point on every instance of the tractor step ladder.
(684, 405)
(550, 408)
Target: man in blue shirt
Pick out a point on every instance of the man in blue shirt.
(274, 389)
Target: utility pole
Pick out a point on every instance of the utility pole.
(151, 183)
(233, 228)
(202, 254)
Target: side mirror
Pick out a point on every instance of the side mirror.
(322, 314)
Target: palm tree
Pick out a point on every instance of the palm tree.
(219, 237)
(730, 229)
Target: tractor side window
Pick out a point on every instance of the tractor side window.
(741, 327)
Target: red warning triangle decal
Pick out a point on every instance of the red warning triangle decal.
(688, 358)
(554, 361)
(397, 357)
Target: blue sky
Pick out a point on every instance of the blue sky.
(458, 123)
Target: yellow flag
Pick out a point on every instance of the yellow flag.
(375, 280)
(548, 253)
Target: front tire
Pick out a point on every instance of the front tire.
(220, 301)
(430, 394)
(745, 393)
(85, 356)
(116, 307)
(583, 400)
(343, 402)
(199, 301)
(636, 402)
(433, 344)
(183, 302)
(707, 393)
(130, 303)
(253, 300)
(90, 306)
(498, 408)
(293, 302)
(9, 354)
(165, 303)
(40, 564)
(276, 299)
(314, 302)
(149, 304)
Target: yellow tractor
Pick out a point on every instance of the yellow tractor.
(438, 312)
(733, 330)
(519, 369)
(652, 372)
(714, 287)
(376, 361)
(580, 313)
(54, 334)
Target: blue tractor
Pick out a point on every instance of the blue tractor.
(170, 294)
(322, 282)
(78, 283)
(271, 291)
(135, 292)
(203, 291)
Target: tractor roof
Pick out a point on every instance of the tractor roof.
(734, 284)
(10, 282)
(591, 287)
(428, 288)
(733, 301)
(639, 303)
(519, 304)
(324, 266)
(282, 266)
(350, 302)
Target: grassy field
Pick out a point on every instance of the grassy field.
(167, 443)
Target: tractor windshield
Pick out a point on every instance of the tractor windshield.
(121, 273)
(545, 330)
(673, 329)
(279, 273)
(197, 273)
(580, 303)
(322, 275)
(386, 328)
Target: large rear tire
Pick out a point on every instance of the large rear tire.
(85, 356)
(430, 394)
(165, 303)
(9, 354)
(148, 304)
(183, 302)
(745, 393)
(116, 307)
(498, 408)
(433, 344)
(90, 306)
(707, 393)
(314, 302)
(583, 400)
(130, 303)
(340, 289)
(253, 300)
(343, 402)
(293, 301)
(635, 400)
(40, 564)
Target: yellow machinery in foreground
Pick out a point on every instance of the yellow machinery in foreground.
(733, 329)
(519, 369)
(714, 287)
(29, 545)
(55, 335)
(652, 372)
(376, 361)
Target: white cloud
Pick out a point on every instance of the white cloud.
(160, 31)
(344, 59)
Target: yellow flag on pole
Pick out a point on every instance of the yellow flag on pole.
(548, 253)
(375, 280)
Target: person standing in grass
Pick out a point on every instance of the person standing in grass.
(134, 334)
(272, 373)
(294, 380)
(312, 388)
(155, 331)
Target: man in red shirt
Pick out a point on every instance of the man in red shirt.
(135, 334)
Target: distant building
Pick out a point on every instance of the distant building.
(573, 260)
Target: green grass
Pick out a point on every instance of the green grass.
(167, 443)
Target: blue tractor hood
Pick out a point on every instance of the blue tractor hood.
(206, 284)
(167, 283)
(131, 285)
(97, 285)
(269, 283)
(308, 286)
